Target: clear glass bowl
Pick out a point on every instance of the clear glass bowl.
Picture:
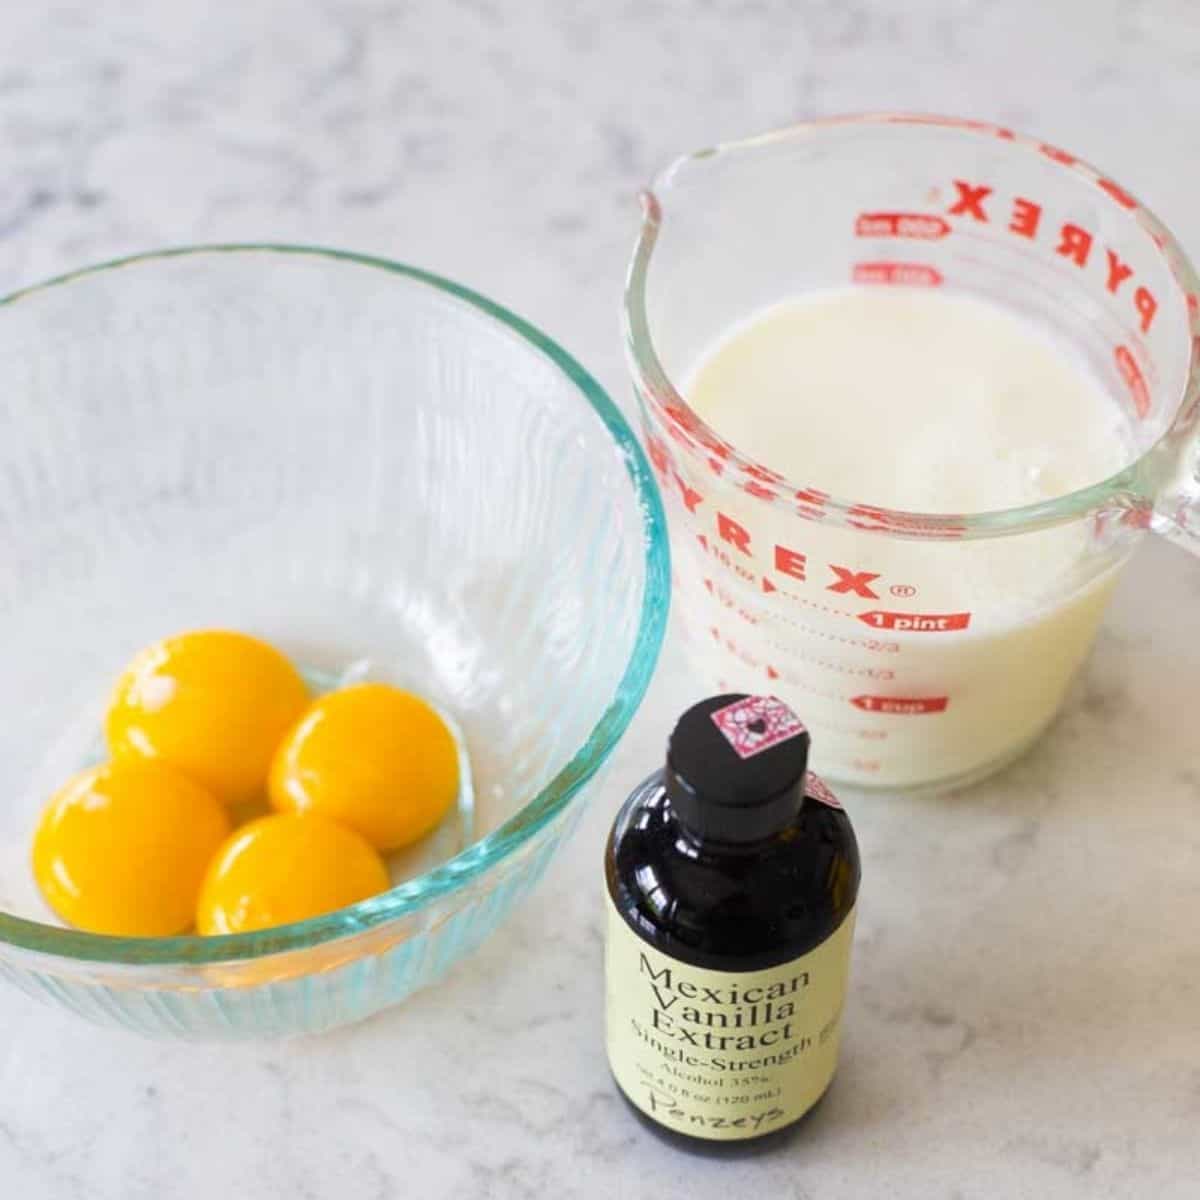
(384, 474)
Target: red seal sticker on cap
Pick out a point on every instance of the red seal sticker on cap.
(756, 723)
(818, 789)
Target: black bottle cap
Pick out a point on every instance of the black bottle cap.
(736, 767)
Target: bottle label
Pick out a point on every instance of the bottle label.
(818, 789)
(723, 1055)
(756, 723)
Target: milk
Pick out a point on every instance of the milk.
(914, 662)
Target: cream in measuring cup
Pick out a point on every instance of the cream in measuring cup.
(924, 401)
(910, 398)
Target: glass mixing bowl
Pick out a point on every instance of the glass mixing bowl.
(381, 472)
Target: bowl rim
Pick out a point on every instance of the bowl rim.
(472, 862)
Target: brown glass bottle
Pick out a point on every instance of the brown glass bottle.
(732, 878)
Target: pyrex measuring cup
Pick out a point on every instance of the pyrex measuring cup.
(924, 650)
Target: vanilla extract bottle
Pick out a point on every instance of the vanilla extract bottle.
(732, 878)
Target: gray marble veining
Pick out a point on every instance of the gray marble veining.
(1023, 1021)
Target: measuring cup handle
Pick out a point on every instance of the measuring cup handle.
(1176, 514)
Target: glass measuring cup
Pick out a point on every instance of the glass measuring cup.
(925, 650)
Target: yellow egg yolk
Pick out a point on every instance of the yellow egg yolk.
(373, 757)
(286, 867)
(123, 848)
(212, 704)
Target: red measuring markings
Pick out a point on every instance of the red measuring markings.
(869, 735)
(1061, 156)
(726, 560)
(925, 226)
(904, 274)
(733, 648)
(874, 645)
(727, 601)
(688, 494)
(809, 503)
(1118, 193)
(916, 622)
(901, 705)
(1134, 380)
(802, 684)
(951, 122)
(883, 674)
(768, 586)
(660, 456)
(870, 516)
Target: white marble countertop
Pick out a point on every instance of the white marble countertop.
(1025, 1015)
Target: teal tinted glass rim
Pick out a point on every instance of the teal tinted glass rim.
(473, 862)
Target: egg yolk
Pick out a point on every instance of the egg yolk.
(122, 849)
(373, 757)
(212, 704)
(286, 867)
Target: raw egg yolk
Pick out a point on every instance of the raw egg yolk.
(212, 704)
(122, 849)
(286, 867)
(372, 757)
